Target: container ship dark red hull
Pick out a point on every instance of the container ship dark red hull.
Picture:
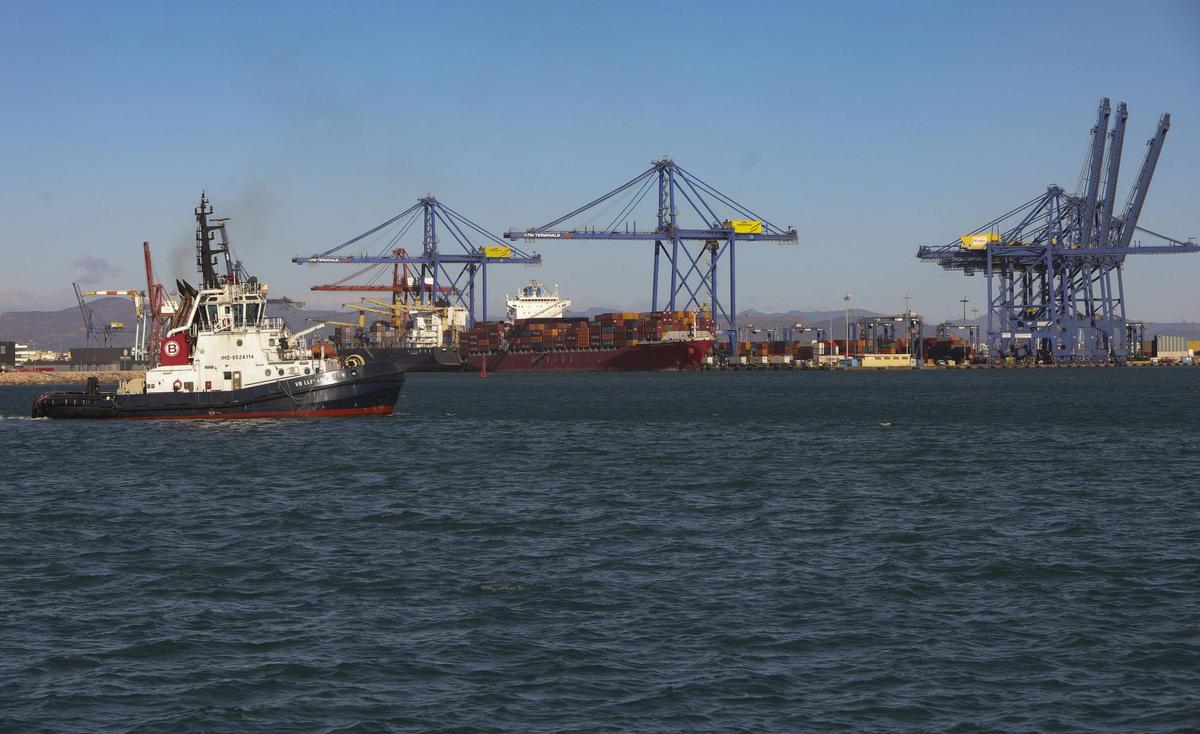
(642, 357)
(607, 342)
(410, 359)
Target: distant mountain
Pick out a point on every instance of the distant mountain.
(808, 319)
(590, 312)
(63, 329)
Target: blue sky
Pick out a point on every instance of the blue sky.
(870, 127)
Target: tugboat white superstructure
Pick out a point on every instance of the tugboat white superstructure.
(222, 357)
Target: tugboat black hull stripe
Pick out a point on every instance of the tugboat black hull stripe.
(371, 389)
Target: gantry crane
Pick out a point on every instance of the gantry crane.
(695, 252)
(442, 278)
(402, 287)
(160, 308)
(141, 328)
(877, 330)
(106, 332)
(395, 312)
(85, 312)
(1054, 264)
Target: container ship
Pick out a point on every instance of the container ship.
(417, 338)
(538, 337)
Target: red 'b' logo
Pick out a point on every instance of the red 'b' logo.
(171, 349)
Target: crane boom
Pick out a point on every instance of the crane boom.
(1116, 141)
(377, 289)
(1099, 130)
(381, 310)
(1137, 196)
(86, 313)
(135, 296)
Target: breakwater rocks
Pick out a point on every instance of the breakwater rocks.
(65, 377)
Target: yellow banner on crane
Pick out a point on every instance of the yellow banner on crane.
(497, 251)
(979, 241)
(745, 226)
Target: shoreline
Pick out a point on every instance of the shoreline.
(66, 378)
(17, 379)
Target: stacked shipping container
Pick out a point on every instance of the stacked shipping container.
(805, 349)
(603, 332)
(1171, 347)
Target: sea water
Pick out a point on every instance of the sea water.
(980, 550)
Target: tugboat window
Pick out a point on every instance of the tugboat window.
(239, 342)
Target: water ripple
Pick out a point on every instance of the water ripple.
(987, 551)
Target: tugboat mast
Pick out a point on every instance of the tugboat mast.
(206, 253)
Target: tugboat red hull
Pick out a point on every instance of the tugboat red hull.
(370, 389)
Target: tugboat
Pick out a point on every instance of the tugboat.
(222, 357)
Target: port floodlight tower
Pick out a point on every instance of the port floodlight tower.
(692, 254)
(1054, 264)
(448, 275)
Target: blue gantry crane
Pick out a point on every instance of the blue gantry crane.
(439, 274)
(1054, 264)
(692, 254)
(89, 319)
(878, 330)
(107, 330)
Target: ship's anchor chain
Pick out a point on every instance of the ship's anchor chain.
(298, 403)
